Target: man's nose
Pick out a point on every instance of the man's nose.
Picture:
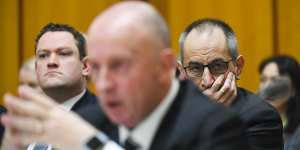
(53, 61)
(207, 79)
(104, 81)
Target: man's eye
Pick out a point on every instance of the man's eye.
(218, 65)
(95, 67)
(119, 66)
(195, 68)
(42, 55)
(65, 53)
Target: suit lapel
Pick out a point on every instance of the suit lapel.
(180, 119)
(85, 100)
(164, 131)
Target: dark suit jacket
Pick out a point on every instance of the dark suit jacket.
(263, 123)
(87, 101)
(193, 122)
(2, 111)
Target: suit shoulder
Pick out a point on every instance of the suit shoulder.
(197, 105)
(249, 105)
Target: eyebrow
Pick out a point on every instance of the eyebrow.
(194, 63)
(58, 49)
(198, 63)
(217, 59)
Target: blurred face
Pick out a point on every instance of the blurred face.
(28, 77)
(126, 74)
(269, 73)
(206, 57)
(57, 61)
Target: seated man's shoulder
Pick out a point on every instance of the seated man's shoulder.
(249, 105)
(263, 122)
(201, 118)
(198, 106)
(193, 97)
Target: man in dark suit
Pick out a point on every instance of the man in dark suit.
(2, 111)
(133, 69)
(60, 67)
(210, 57)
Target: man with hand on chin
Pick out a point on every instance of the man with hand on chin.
(210, 58)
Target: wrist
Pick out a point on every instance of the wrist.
(101, 142)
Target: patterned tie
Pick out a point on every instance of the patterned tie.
(42, 147)
(130, 144)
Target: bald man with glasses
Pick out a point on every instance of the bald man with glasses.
(209, 56)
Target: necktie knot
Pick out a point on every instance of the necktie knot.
(130, 144)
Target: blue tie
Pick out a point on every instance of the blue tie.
(41, 147)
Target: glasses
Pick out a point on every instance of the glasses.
(216, 67)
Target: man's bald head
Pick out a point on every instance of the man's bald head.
(132, 64)
(135, 19)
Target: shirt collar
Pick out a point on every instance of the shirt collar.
(144, 132)
(68, 104)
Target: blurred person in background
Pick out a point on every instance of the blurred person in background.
(276, 69)
(2, 111)
(27, 74)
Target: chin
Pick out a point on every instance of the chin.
(120, 119)
(53, 85)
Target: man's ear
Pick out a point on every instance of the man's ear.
(86, 70)
(181, 73)
(239, 66)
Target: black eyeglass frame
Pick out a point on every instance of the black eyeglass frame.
(208, 66)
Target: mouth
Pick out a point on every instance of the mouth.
(113, 105)
(52, 73)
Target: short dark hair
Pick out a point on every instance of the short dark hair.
(79, 38)
(209, 22)
(288, 65)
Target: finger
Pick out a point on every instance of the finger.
(21, 124)
(232, 97)
(31, 94)
(23, 107)
(228, 96)
(218, 83)
(225, 88)
(9, 143)
(227, 83)
(225, 98)
(24, 139)
(9, 108)
(22, 132)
